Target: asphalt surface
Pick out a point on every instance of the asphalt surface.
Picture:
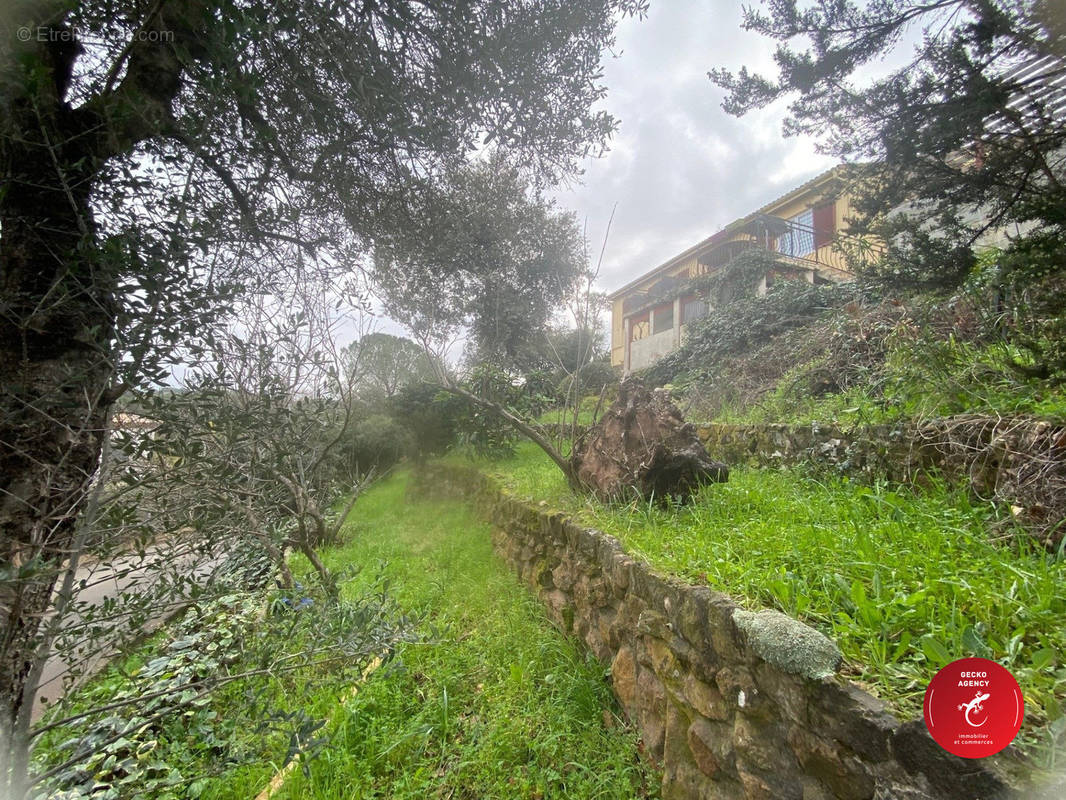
(102, 582)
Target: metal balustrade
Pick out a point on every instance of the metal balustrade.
(794, 244)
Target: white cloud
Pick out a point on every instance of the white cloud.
(680, 168)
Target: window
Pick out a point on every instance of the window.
(693, 309)
(824, 224)
(664, 318)
(799, 239)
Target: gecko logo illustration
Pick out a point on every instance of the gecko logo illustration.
(973, 707)
(975, 704)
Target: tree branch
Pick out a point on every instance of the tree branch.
(531, 431)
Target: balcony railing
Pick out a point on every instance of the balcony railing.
(804, 245)
(795, 244)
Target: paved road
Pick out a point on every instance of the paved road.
(102, 582)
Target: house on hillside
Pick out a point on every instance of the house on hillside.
(806, 227)
(803, 227)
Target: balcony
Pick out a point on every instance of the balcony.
(666, 288)
(795, 244)
(801, 245)
(645, 352)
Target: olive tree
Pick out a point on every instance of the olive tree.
(483, 254)
(254, 441)
(200, 501)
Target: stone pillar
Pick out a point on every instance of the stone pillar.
(677, 322)
(760, 290)
(810, 276)
(625, 350)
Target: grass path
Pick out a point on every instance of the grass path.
(495, 703)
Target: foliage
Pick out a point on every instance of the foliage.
(918, 260)
(568, 349)
(483, 251)
(581, 355)
(736, 326)
(180, 158)
(527, 396)
(494, 703)
(739, 278)
(377, 443)
(1025, 306)
(991, 347)
(255, 443)
(244, 459)
(964, 142)
(486, 253)
(383, 365)
(903, 581)
(914, 358)
(431, 416)
(928, 378)
(591, 378)
(562, 351)
(192, 706)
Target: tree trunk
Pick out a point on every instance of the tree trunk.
(531, 431)
(57, 321)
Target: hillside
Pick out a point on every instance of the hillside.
(853, 355)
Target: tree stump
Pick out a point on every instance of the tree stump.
(642, 446)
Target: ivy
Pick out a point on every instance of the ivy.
(736, 326)
(170, 730)
(740, 277)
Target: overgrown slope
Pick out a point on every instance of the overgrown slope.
(850, 355)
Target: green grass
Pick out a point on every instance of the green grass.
(847, 410)
(586, 414)
(904, 581)
(494, 704)
(489, 701)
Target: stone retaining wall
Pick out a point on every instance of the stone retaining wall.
(730, 703)
(875, 451)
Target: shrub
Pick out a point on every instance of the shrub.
(430, 416)
(590, 378)
(378, 442)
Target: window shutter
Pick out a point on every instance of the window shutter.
(824, 224)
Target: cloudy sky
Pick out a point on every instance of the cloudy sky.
(679, 167)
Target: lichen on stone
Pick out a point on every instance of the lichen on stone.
(788, 644)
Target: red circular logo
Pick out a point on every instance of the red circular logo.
(973, 707)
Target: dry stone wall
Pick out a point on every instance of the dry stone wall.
(875, 451)
(730, 703)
